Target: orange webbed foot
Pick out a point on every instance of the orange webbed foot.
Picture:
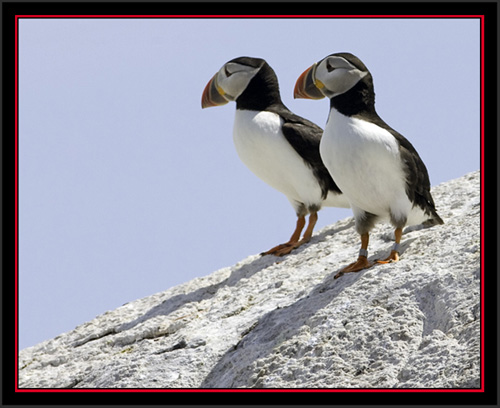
(359, 265)
(275, 249)
(393, 257)
(281, 250)
(285, 249)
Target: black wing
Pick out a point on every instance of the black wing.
(304, 136)
(418, 185)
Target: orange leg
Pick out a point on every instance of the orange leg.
(394, 255)
(294, 241)
(362, 262)
(301, 221)
(313, 218)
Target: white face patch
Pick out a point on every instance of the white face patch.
(232, 79)
(337, 75)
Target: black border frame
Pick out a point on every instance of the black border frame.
(367, 398)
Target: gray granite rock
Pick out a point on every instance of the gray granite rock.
(271, 322)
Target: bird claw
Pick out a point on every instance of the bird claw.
(285, 249)
(273, 250)
(393, 257)
(282, 249)
(359, 265)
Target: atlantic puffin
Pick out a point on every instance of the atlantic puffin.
(278, 146)
(377, 169)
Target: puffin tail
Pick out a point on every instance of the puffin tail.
(435, 219)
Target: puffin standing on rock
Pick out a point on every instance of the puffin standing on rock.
(278, 146)
(376, 168)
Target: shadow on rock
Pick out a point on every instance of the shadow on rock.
(178, 301)
(234, 369)
(244, 272)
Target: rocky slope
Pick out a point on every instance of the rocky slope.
(271, 322)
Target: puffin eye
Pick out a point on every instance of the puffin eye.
(329, 67)
(226, 71)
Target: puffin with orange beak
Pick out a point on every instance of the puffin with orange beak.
(377, 169)
(278, 146)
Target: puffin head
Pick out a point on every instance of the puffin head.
(230, 81)
(332, 76)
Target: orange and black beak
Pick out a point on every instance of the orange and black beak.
(307, 86)
(213, 95)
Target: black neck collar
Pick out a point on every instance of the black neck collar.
(358, 100)
(262, 92)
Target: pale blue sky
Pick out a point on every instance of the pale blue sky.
(127, 187)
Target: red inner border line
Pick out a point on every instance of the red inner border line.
(420, 16)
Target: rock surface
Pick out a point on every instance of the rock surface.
(271, 322)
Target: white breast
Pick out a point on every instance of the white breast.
(263, 148)
(365, 162)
